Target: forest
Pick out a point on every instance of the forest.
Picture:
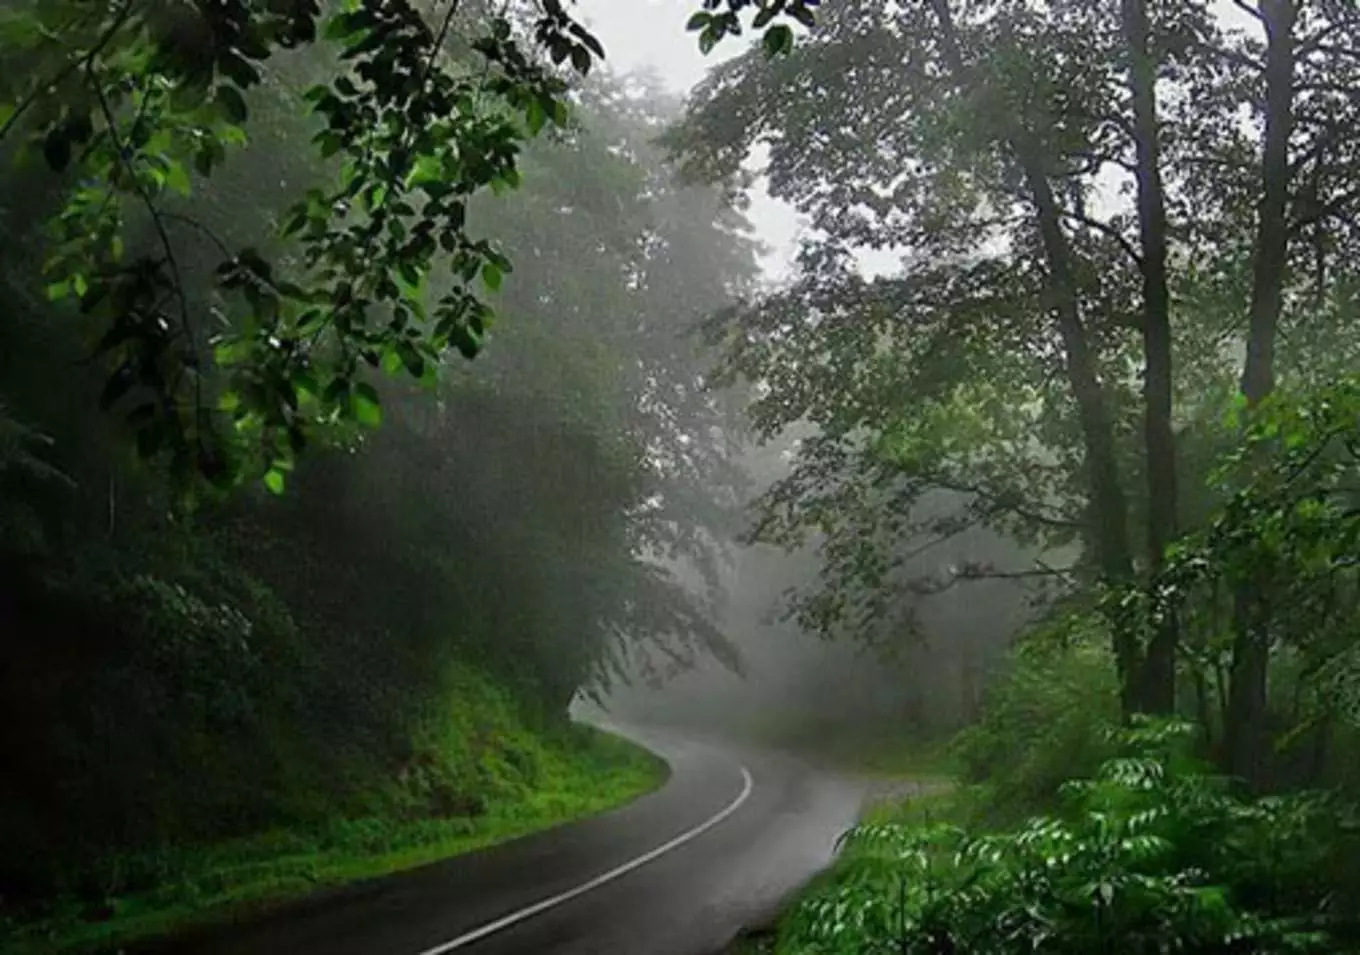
(381, 378)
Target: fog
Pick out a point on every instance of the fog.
(381, 380)
(922, 674)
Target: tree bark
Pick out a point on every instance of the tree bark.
(1109, 508)
(1245, 732)
(1157, 693)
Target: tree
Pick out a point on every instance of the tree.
(420, 110)
(523, 520)
(997, 135)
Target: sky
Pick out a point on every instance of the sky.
(651, 33)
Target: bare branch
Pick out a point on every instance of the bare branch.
(1000, 502)
(1342, 51)
(1326, 210)
(940, 538)
(1110, 232)
(1232, 56)
(200, 228)
(930, 588)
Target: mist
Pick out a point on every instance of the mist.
(543, 478)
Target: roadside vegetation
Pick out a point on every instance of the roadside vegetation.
(290, 594)
(1083, 275)
(526, 778)
(291, 591)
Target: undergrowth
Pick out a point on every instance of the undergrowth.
(1152, 853)
(525, 778)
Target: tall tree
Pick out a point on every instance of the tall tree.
(1158, 689)
(998, 133)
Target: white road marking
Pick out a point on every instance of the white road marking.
(490, 928)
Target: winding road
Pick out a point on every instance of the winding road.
(678, 872)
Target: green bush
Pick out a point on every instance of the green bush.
(1046, 719)
(1152, 854)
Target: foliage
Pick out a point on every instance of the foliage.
(1149, 855)
(1045, 720)
(576, 772)
(24, 474)
(1288, 528)
(154, 90)
(137, 101)
(967, 311)
(301, 662)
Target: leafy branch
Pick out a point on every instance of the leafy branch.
(72, 67)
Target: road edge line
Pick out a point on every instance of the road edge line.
(514, 918)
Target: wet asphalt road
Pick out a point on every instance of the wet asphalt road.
(678, 872)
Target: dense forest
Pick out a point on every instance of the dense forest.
(378, 377)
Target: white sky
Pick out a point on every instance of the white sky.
(643, 33)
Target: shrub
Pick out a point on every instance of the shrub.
(1047, 719)
(1152, 854)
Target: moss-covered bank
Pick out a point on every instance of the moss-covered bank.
(485, 772)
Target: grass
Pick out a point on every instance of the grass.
(875, 751)
(884, 755)
(582, 773)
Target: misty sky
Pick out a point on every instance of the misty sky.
(643, 33)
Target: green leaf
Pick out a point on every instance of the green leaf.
(233, 103)
(536, 117)
(492, 276)
(778, 40)
(294, 224)
(238, 70)
(177, 179)
(118, 385)
(365, 405)
(57, 149)
(273, 479)
(411, 358)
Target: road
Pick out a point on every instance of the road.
(678, 872)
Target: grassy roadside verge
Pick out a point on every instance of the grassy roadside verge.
(585, 772)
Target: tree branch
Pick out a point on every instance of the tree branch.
(1000, 502)
(1108, 231)
(1234, 56)
(200, 228)
(70, 69)
(929, 588)
(158, 222)
(1327, 210)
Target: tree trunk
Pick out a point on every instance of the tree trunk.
(1157, 693)
(1109, 509)
(1245, 732)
